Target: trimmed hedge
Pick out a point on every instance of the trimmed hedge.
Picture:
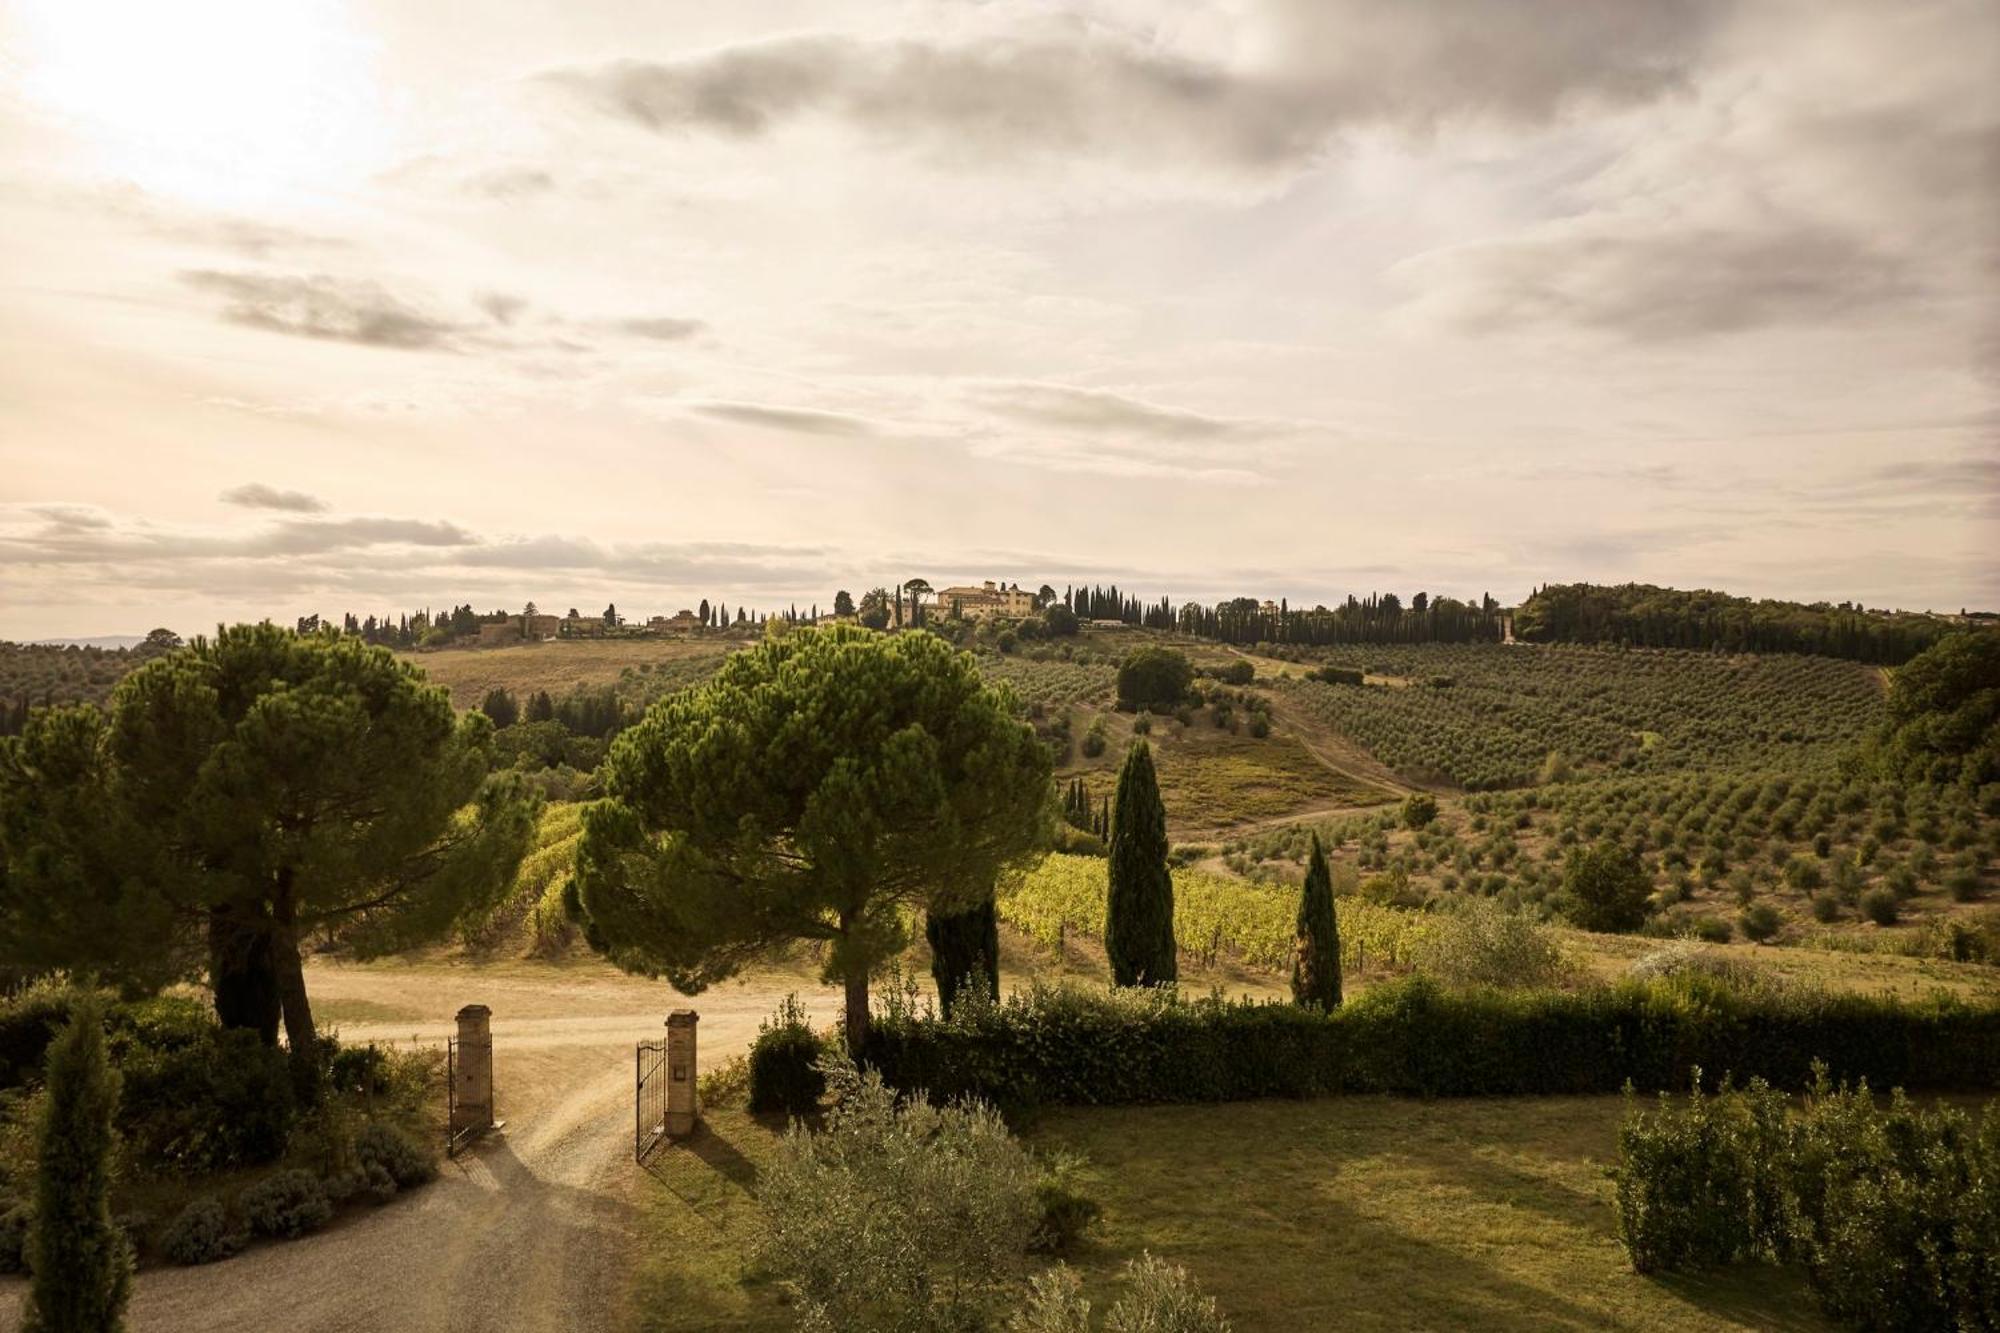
(1067, 1046)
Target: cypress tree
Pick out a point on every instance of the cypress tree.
(82, 1265)
(1316, 950)
(1139, 914)
(965, 949)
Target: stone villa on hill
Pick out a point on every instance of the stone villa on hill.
(987, 599)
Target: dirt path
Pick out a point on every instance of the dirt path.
(530, 1231)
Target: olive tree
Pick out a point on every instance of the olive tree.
(816, 788)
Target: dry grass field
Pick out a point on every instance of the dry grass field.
(557, 666)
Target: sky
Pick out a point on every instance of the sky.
(325, 306)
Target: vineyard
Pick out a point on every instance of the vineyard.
(534, 905)
(1215, 916)
(1488, 717)
(1050, 684)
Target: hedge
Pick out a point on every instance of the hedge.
(1069, 1046)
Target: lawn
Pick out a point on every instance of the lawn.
(1353, 1213)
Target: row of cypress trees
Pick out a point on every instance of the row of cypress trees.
(1139, 914)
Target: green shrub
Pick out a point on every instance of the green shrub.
(1760, 922)
(897, 1215)
(1419, 809)
(1711, 929)
(286, 1204)
(221, 1103)
(1158, 1298)
(1063, 1045)
(1963, 886)
(1094, 739)
(1334, 675)
(784, 1063)
(1153, 677)
(201, 1233)
(29, 1020)
(1605, 888)
(381, 1148)
(1893, 1211)
(1826, 905)
(1880, 906)
(1692, 1186)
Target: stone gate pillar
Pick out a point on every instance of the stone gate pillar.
(681, 1108)
(472, 1071)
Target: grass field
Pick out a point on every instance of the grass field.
(1352, 1213)
(557, 666)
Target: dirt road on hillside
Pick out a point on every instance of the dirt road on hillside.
(528, 1232)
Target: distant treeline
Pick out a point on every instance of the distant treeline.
(1377, 618)
(43, 675)
(1645, 616)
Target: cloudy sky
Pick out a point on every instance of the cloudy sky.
(325, 306)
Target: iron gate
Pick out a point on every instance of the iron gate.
(456, 1134)
(649, 1098)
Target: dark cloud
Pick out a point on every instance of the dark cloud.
(1663, 282)
(324, 307)
(1077, 91)
(804, 421)
(256, 495)
(663, 328)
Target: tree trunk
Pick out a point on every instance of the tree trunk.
(857, 1013)
(242, 971)
(299, 1034)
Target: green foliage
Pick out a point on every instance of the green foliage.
(815, 788)
(16, 1222)
(1139, 909)
(1943, 723)
(1893, 1211)
(1419, 809)
(201, 1233)
(81, 1262)
(1639, 614)
(1316, 953)
(1480, 943)
(383, 1151)
(897, 1215)
(222, 1102)
(286, 1204)
(1154, 678)
(238, 793)
(1070, 1046)
(1880, 906)
(784, 1063)
(1161, 1298)
(1759, 922)
(1605, 888)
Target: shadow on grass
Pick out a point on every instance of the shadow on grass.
(1754, 1295)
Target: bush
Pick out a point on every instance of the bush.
(381, 1148)
(202, 1233)
(1419, 809)
(1070, 1046)
(29, 1021)
(81, 1261)
(1482, 944)
(784, 1063)
(1880, 906)
(221, 1103)
(286, 1204)
(1894, 1212)
(1237, 672)
(1605, 888)
(897, 1215)
(1153, 678)
(1760, 922)
(1333, 675)
(1158, 1298)
(1826, 906)
(1963, 886)
(1094, 739)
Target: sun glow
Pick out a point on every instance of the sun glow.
(218, 102)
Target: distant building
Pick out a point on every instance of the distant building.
(581, 627)
(987, 599)
(682, 622)
(510, 630)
